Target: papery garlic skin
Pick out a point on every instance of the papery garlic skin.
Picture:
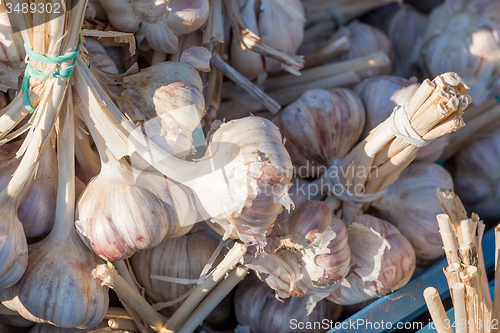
(13, 250)
(157, 24)
(465, 42)
(477, 175)
(182, 257)
(98, 56)
(279, 23)
(47, 328)
(117, 217)
(168, 98)
(320, 127)
(257, 308)
(383, 261)
(308, 255)
(258, 180)
(380, 95)
(411, 205)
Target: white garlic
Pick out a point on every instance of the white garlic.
(382, 261)
(98, 56)
(279, 23)
(477, 174)
(47, 328)
(257, 308)
(411, 205)
(157, 24)
(320, 127)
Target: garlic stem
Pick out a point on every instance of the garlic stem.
(158, 57)
(496, 304)
(122, 324)
(110, 277)
(436, 309)
(88, 160)
(326, 51)
(12, 115)
(450, 241)
(200, 291)
(458, 294)
(215, 297)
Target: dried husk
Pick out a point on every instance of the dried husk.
(257, 308)
(320, 127)
(411, 205)
(476, 175)
(382, 261)
(183, 258)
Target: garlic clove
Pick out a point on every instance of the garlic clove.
(411, 205)
(320, 127)
(13, 250)
(383, 261)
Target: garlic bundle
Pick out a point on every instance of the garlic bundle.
(98, 56)
(320, 127)
(308, 255)
(406, 29)
(364, 40)
(279, 23)
(382, 261)
(463, 36)
(157, 24)
(169, 270)
(411, 205)
(257, 308)
(380, 95)
(168, 98)
(57, 287)
(477, 174)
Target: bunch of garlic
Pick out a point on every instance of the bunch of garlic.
(411, 205)
(279, 23)
(257, 308)
(462, 36)
(380, 95)
(382, 261)
(169, 270)
(306, 256)
(168, 99)
(477, 175)
(364, 40)
(157, 24)
(320, 127)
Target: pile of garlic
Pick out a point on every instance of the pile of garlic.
(318, 192)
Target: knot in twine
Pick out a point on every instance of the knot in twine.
(401, 127)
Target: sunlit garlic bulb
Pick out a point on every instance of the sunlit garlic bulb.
(279, 23)
(320, 127)
(98, 56)
(466, 42)
(257, 308)
(168, 98)
(380, 95)
(411, 205)
(157, 24)
(308, 255)
(257, 183)
(382, 261)
(477, 175)
(181, 258)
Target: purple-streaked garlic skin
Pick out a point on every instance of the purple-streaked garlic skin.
(157, 24)
(477, 174)
(182, 257)
(383, 261)
(259, 178)
(321, 126)
(257, 308)
(411, 205)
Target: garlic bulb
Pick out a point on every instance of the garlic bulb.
(98, 56)
(257, 308)
(170, 269)
(258, 180)
(278, 23)
(364, 40)
(466, 41)
(477, 174)
(157, 24)
(168, 98)
(380, 95)
(94, 10)
(383, 261)
(16, 321)
(320, 127)
(411, 205)
(57, 286)
(308, 255)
